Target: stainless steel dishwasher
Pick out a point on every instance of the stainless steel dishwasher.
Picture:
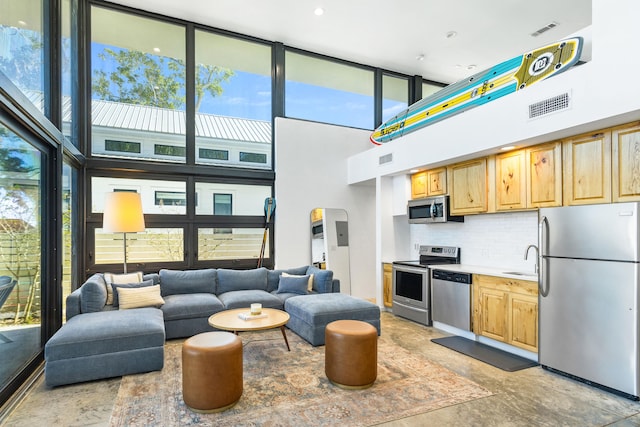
(451, 298)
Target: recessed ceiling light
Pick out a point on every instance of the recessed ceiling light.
(471, 67)
(319, 11)
(451, 34)
(156, 49)
(420, 57)
(24, 24)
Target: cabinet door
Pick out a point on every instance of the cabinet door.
(511, 181)
(437, 182)
(523, 311)
(468, 187)
(419, 185)
(626, 163)
(544, 175)
(387, 285)
(587, 169)
(492, 313)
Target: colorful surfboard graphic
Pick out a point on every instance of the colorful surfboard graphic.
(485, 86)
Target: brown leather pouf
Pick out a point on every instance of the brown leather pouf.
(351, 354)
(212, 371)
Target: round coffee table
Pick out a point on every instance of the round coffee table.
(228, 320)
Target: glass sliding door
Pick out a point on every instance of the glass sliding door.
(21, 266)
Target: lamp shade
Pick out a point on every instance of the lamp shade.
(123, 213)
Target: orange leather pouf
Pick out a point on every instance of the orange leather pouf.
(212, 371)
(351, 354)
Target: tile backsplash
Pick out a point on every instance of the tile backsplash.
(490, 240)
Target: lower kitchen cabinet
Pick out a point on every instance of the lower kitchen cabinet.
(506, 310)
(387, 285)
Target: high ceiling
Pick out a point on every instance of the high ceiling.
(455, 38)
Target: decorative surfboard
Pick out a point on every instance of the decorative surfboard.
(500, 80)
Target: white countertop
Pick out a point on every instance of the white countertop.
(489, 271)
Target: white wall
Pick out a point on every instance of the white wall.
(311, 172)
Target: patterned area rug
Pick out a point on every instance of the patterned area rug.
(284, 388)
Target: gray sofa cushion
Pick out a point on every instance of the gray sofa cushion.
(190, 306)
(238, 280)
(89, 334)
(243, 299)
(93, 294)
(273, 276)
(174, 282)
(322, 279)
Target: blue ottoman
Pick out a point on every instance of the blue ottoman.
(310, 314)
(105, 344)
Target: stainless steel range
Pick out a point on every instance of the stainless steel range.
(411, 287)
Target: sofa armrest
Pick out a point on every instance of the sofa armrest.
(335, 285)
(73, 304)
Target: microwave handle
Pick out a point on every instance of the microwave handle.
(433, 211)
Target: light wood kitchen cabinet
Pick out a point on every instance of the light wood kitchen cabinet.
(316, 215)
(387, 285)
(506, 310)
(625, 142)
(419, 185)
(544, 175)
(467, 184)
(429, 183)
(587, 169)
(511, 188)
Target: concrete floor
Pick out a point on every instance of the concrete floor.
(530, 397)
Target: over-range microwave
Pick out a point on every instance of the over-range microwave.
(430, 210)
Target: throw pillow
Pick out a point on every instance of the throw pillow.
(115, 288)
(293, 285)
(120, 279)
(148, 296)
(310, 276)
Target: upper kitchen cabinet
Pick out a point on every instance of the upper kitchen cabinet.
(626, 163)
(429, 183)
(419, 185)
(544, 175)
(510, 178)
(587, 169)
(467, 184)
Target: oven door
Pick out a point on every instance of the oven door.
(411, 294)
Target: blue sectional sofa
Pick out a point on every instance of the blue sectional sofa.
(116, 324)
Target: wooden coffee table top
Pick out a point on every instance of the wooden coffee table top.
(228, 320)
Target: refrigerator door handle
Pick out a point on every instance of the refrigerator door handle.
(543, 229)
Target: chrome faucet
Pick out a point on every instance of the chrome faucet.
(526, 254)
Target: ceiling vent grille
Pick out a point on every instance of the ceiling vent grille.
(550, 105)
(387, 158)
(544, 29)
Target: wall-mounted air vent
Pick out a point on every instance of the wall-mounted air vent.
(550, 105)
(387, 158)
(544, 29)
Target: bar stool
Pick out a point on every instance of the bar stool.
(212, 371)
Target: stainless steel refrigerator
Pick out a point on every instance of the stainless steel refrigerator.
(589, 294)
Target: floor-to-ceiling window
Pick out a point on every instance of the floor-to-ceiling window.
(328, 91)
(21, 46)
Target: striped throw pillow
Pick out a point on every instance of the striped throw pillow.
(148, 296)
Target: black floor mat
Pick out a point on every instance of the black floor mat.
(493, 356)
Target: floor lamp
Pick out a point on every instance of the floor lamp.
(123, 214)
